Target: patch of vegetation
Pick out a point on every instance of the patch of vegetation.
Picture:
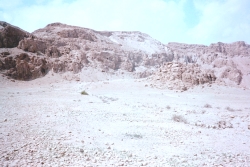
(207, 106)
(168, 107)
(84, 93)
(179, 118)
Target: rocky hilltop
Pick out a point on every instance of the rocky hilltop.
(63, 48)
(72, 47)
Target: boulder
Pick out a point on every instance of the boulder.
(32, 45)
(128, 66)
(233, 74)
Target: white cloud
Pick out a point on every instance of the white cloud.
(225, 21)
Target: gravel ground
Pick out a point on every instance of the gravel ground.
(122, 123)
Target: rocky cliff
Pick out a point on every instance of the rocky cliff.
(229, 64)
(74, 47)
(61, 48)
(70, 48)
(10, 35)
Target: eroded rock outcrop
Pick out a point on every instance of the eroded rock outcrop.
(10, 35)
(62, 48)
(32, 44)
(174, 75)
(107, 51)
(228, 61)
(70, 48)
(23, 66)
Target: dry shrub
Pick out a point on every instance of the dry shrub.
(230, 109)
(207, 106)
(179, 118)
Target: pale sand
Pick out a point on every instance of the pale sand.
(122, 122)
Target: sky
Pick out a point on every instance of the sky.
(184, 21)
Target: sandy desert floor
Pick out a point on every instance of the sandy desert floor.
(122, 122)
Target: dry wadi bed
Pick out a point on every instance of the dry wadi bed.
(122, 122)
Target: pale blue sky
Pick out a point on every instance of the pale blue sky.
(187, 21)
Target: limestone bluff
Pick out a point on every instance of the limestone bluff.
(61, 48)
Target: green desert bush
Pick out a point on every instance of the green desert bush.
(84, 93)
